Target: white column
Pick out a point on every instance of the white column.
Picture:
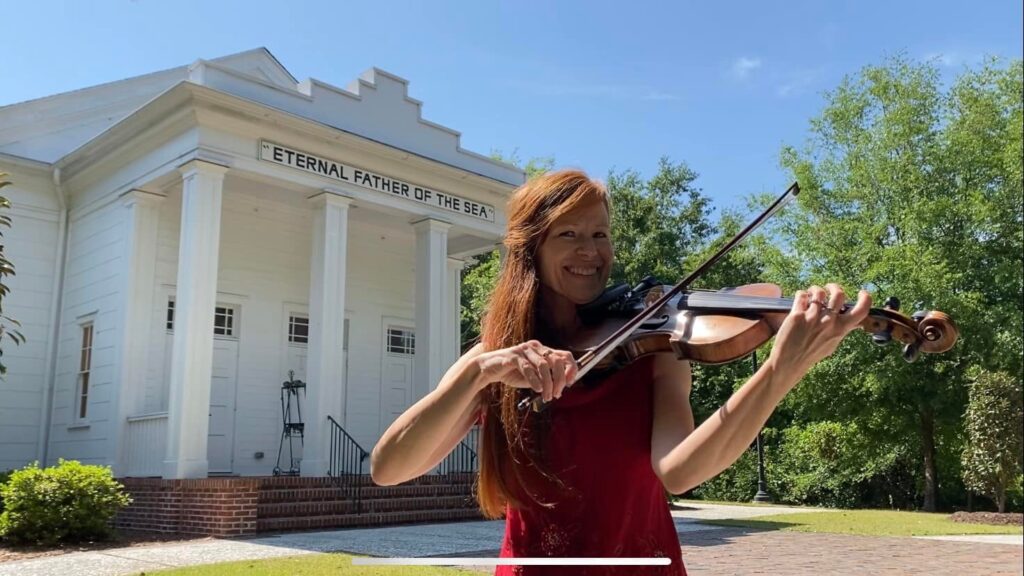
(431, 277)
(188, 414)
(141, 216)
(453, 316)
(325, 374)
(502, 253)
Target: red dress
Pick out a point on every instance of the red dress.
(598, 443)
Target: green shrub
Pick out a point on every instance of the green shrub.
(69, 502)
(737, 483)
(4, 476)
(995, 436)
(1016, 494)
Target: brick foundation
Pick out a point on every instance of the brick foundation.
(211, 506)
(241, 506)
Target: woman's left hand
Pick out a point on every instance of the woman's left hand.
(814, 327)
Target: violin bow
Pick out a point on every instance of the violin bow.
(591, 358)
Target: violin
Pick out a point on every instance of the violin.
(717, 327)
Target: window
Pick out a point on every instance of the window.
(224, 321)
(84, 367)
(298, 329)
(401, 341)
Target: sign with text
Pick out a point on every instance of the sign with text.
(344, 173)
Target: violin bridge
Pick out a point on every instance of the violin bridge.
(653, 295)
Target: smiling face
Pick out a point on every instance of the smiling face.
(575, 258)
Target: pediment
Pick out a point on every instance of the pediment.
(259, 63)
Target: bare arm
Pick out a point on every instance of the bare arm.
(425, 433)
(683, 460)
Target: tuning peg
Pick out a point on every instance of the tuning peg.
(892, 303)
(645, 284)
(882, 338)
(911, 352)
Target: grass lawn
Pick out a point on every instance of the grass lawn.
(684, 502)
(868, 523)
(309, 565)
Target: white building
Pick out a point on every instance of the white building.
(176, 235)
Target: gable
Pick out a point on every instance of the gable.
(259, 63)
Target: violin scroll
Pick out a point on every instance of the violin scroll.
(930, 332)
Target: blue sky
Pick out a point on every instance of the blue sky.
(597, 85)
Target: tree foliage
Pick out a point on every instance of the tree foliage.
(913, 191)
(912, 187)
(656, 222)
(8, 325)
(994, 424)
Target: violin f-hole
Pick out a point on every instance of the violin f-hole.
(654, 323)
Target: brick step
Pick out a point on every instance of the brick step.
(366, 519)
(271, 482)
(344, 507)
(268, 496)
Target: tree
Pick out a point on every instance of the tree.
(656, 223)
(663, 227)
(912, 191)
(995, 435)
(478, 280)
(6, 269)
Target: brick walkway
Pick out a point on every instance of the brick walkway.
(707, 551)
(742, 551)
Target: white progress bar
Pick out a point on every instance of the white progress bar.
(364, 561)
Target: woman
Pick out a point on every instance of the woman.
(587, 476)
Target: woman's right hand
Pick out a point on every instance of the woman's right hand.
(531, 365)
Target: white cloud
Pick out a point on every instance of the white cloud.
(743, 66)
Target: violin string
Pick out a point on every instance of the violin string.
(733, 301)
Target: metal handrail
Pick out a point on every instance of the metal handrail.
(346, 463)
(463, 458)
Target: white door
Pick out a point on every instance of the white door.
(399, 350)
(296, 343)
(296, 353)
(224, 381)
(223, 384)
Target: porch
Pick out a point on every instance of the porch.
(238, 506)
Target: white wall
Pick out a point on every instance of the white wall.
(31, 245)
(92, 286)
(264, 269)
(381, 275)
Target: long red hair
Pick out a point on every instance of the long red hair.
(510, 320)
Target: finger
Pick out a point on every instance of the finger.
(557, 365)
(800, 302)
(543, 369)
(860, 310)
(529, 374)
(816, 295)
(837, 298)
(571, 368)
